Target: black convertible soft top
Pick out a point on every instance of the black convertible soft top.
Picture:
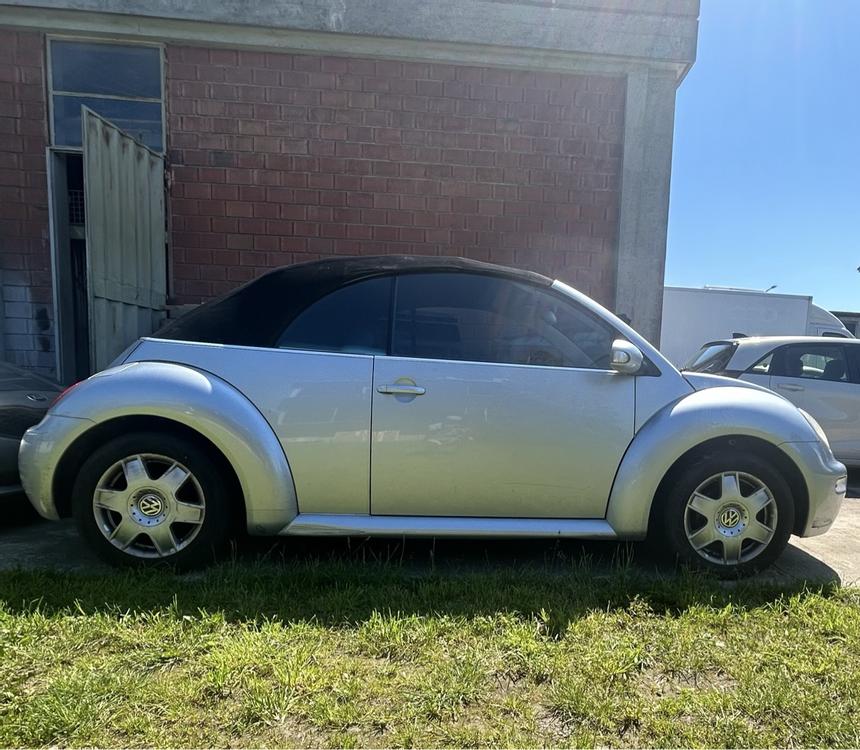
(256, 313)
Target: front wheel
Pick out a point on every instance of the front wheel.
(148, 498)
(730, 513)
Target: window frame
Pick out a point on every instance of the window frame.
(548, 290)
(49, 67)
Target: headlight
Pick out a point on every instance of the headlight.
(815, 426)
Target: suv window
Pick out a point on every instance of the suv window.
(814, 362)
(353, 319)
(853, 352)
(762, 367)
(471, 317)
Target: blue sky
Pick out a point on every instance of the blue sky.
(766, 168)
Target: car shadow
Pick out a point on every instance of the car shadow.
(347, 581)
(554, 556)
(17, 511)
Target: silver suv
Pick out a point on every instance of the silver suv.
(820, 375)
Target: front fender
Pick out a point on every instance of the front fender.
(684, 424)
(206, 404)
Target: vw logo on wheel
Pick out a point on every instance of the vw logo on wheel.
(730, 518)
(150, 505)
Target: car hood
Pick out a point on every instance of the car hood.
(700, 381)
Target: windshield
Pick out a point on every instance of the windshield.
(713, 358)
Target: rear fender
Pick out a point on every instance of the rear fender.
(210, 407)
(685, 424)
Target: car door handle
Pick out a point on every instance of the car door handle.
(789, 387)
(402, 389)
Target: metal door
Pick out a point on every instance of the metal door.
(126, 259)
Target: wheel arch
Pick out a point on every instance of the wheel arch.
(71, 460)
(188, 401)
(694, 425)
(789, 470)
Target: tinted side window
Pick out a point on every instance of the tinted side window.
(812, 362)
(853, 352)
(353, 319)
(477, 318)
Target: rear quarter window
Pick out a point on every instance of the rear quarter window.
(352, 319)
(762, 367)
(711, 358)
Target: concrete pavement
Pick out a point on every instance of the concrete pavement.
(839, 548)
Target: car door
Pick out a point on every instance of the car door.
(496, 400)
(818, 378)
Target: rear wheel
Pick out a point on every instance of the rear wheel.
(730, 513)
(149, 498)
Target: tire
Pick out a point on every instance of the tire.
(152, 499)
(736, 499)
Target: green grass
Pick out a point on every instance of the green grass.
(346, 653)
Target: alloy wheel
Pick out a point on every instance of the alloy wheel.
(730, 518)
(149, 506)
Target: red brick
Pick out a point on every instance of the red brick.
(277, 61)
(294, 212)
(266, 211)
(239, 75)
(347, 215)
(386, 144)
(347, 182)
(307, 62)
(225, 225)
(334, 64)
(393, 69)
(237, 208)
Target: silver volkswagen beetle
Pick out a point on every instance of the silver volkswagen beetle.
(402, 396)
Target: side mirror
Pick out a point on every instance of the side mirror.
(626, 358)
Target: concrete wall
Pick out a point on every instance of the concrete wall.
(281, 158)
(652, 30)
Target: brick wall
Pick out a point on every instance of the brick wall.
(25, 275)
(279, 158)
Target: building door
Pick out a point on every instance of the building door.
(125, 238)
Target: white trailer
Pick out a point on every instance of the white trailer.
(692, 317)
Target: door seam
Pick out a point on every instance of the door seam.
(370, 439)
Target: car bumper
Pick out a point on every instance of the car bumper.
(40, 451)
(826, 482)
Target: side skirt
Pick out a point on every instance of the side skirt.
(322, 524)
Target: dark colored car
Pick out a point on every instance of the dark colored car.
(24, 399)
